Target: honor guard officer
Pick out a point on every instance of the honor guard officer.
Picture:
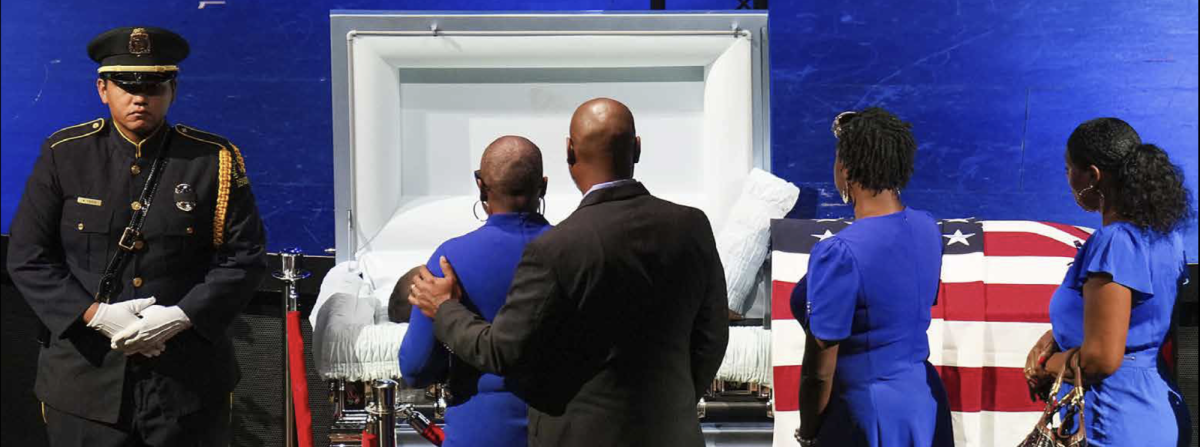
(137, 243)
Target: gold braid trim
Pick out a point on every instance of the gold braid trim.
(97, 125)
(242, 178)
(138, 69)
(224, 174)
(241, 161)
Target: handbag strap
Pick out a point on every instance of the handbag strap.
(1045, 434)
(131, 236)
(1073, 402)
(1058, 380)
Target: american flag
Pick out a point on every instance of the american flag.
(997, 280)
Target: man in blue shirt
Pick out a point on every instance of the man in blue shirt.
(483, 410)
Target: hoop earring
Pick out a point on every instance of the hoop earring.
(476, 213)
(542, 207)
(1079, 198)
(844, 194)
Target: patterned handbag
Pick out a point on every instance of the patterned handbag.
(1069, 405)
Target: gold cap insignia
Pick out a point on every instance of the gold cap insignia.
(139, 42)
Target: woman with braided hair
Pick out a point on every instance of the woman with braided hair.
(1116, 302)
(865, 303)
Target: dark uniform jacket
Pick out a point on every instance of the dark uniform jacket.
(615, 324)
(208, 261)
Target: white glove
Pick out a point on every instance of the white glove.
(158, 324)
(110, 319)
(146, 350)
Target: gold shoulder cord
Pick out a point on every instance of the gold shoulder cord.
(97, 124)
(225, 172)
(224, 178)
(242, 179)
(240, 161)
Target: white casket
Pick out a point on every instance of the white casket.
(417, 97)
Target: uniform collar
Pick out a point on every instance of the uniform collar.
(148, 146)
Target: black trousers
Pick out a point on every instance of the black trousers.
(147, 420)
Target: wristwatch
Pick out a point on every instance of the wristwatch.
(804, 442)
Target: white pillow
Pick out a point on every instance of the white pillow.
(743, 241)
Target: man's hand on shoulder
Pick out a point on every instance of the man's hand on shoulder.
(428, 292)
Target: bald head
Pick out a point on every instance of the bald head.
(604, 145)
(512, 169)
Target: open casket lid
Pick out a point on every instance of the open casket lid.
(417, 97)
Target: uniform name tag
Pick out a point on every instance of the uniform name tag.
(87, 201)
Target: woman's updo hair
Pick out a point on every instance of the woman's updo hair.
(1145, 187)
(876, 148)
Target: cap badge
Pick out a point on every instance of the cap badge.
(139, 42)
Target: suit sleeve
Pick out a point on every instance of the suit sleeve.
(36, 259)
(710, 331)
(237, 266)
(528, 320)
(423, 360)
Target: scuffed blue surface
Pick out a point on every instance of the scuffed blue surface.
(258, 74)
(992, 88)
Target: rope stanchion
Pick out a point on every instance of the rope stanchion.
(424, 427)
(383, 412)
(299, 385)
(369, 439)
(298, 419)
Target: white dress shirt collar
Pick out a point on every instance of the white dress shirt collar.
(612, 184)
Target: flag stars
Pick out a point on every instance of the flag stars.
(820, 237)
(958, 238)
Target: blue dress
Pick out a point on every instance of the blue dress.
(871, 287)
(485, 260)
(1136, 406)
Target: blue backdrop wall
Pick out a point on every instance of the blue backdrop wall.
(992, 88)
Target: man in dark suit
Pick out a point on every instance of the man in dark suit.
(137, 285)
(616, 321)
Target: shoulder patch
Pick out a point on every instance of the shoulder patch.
(76, 132)
(202, 136)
